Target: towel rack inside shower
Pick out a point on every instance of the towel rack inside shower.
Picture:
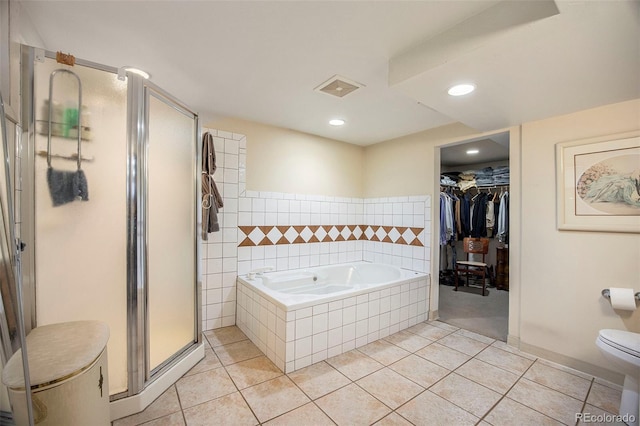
(78, 155)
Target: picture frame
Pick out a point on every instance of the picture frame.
(598, 184)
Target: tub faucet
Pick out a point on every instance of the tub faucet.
(258, 272)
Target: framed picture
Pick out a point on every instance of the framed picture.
(598, 184)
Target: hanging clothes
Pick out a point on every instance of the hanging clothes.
(490, 218)
(479, 222)
(465, 214)
(503, 218)
(211, 198)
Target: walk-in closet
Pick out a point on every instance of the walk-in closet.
(473, 232)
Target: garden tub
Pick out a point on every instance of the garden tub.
(300, 317)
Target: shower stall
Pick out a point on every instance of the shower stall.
(127, 253)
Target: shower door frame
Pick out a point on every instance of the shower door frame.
(139, 92)
(139, 376)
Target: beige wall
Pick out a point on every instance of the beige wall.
(556, 308)
(405, 166)
(283, 160)
(563, 272)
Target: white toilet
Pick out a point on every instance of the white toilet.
(622, 349)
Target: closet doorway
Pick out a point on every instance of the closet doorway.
(474, 202)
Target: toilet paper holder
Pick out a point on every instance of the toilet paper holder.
(606, 294)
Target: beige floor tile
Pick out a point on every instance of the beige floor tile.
(203, 387)
(224, 336)
(475, 336)
(505, 360)
(308, 414)
(274, 397)
(430, 409)
(509, 412)
(227, 410)
(318, 379)
(444, 325)
(502, 345)
(354, 364)
(352, 406)
(605, 397)
(475, 398)
(607, 383)
(559, 380)
(408, 341)
(462, 344)
(419, 370)
(390, 387)
(608, 419)
(209, 362)
(237, 352)
(415, 329)
(164, 405)
(443, 356)
(393, 419)
(175, 419)
(384, 352)
(548, 401)
(569, 370)
(487, 375)
(253, 371)
(432, 332)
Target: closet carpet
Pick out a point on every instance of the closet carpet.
(468, 309)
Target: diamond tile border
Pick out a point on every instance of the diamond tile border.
(302, 234)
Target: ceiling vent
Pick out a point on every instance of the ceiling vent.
(338, 86)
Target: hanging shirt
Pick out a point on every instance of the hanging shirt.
(490, 214)
(503, 217)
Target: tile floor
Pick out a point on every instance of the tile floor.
(429, 374)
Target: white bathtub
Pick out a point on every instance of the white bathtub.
(303, 316)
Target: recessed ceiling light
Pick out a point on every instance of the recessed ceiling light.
(473, 151)
(461, 89)
(336, 122)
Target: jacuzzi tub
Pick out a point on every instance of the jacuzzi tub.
(303, 316)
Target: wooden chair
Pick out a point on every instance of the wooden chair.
(473, 246)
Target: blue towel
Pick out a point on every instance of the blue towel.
(66, 186)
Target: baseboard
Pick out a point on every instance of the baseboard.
(576, 364)
(134, 404)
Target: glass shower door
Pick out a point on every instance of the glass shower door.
(171, 219)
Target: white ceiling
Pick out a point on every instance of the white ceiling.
(261, 60)
(493, 149)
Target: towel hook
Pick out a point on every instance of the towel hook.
(53, 74)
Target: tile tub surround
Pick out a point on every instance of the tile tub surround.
(396, 231)
(219, 263)
(291, 231)
(294, 338)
